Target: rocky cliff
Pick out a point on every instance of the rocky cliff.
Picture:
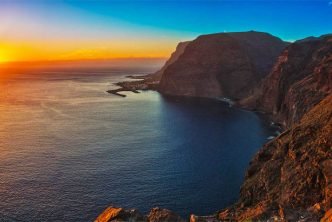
(290, 178)
(150, 81)
(301, 78)
(222, 65)
(174, 56)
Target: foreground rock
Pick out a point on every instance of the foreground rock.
(114, 214)
(119, 214)
(163, 215)
(222, 65)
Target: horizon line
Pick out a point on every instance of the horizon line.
(78, 60)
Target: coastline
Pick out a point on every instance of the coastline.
(144, 83)
(289, 178)
(238, 211)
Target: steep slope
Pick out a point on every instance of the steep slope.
(175, 55)
(291, 176)
(150, 81)
(222, 65)
(301, 78)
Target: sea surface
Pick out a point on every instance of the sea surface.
(68, 149)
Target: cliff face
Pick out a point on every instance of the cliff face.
(299, 80)
(150, 81)
(175, 55)
(222, 65)
(291, 176)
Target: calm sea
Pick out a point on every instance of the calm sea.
(68, 149)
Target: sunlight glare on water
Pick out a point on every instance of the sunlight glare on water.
(68, 149)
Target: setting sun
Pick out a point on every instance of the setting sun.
(3, 58)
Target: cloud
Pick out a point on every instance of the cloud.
(330, 3)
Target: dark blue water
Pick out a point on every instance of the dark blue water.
(68, 149)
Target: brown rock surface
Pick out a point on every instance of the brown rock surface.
(212, 218)
(290, 177)
(150, 81)
(222, 65)
(300, 79)
(327, 217)
(114, 214)
(109, 214)
(175, 55)
(163, 215)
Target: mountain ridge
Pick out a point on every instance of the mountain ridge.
(221, 65)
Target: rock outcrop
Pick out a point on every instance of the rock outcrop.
(114, 214)
(300, 79)
(163, 215)
(150, 81)
(222, 65)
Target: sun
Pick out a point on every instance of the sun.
(3, 58)
(6, 55)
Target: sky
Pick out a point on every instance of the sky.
(38, 30)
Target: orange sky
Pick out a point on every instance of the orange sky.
(59, 31)
(54, 50)
(79, 29)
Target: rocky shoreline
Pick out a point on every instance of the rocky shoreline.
(144, 83)
(290, 178)
(149, 81)
(119, 214)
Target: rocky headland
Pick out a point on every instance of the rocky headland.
(222, 65)
(149, 81)
(290, 178)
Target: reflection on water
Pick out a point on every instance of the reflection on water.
(68, 149)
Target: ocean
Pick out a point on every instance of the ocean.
(68, 149)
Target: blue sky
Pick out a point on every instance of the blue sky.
(134, 28)
(288, 19)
